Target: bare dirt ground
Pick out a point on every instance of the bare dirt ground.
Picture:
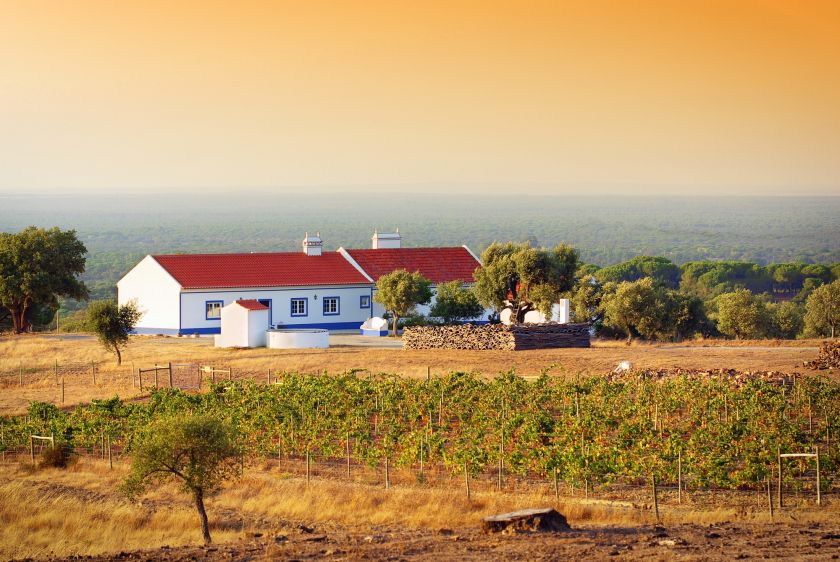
(728, 541)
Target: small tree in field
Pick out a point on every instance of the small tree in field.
(400, 291)
(113, 324)
(822, 310)
(200, 451)
(453, 302)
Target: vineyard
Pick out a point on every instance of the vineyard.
(723, 430)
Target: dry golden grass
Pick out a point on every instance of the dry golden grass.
(79, 511)
(143, 351)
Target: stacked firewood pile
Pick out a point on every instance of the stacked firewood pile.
(497, 336)
(828, 358)
(732, 375)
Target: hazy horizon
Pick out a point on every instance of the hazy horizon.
(552, 97)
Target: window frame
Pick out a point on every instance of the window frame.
(362, 299)
(207, 304)
(305, 301)
(337, 306)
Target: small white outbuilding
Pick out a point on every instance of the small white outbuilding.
(244, 324)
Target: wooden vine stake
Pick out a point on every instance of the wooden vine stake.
(308, 468)
(655, 497)
(679, 476)
(556, 486)
(62, 390)
(110, 458)
(348, 455)
(467, 478)
(387, 474)
(769, 497)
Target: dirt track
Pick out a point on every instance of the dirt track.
(684, 542)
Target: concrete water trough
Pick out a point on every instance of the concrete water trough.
(298, 339)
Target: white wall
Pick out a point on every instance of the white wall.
(157, 296)
(350, 316)
(242, 327)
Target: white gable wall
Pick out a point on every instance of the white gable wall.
(350, 316)
(157, 296)
(242, 327)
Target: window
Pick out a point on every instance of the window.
(330, 306)
(299, 307)
(213, 310)
(364, 301)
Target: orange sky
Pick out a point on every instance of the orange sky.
(667, 96)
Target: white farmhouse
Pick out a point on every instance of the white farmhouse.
(184, 294)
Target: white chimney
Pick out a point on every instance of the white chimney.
(312, 245)
(386, 240)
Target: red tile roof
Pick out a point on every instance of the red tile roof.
(438, 265)
(251, 304)
(288, 269)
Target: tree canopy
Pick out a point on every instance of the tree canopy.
(199, 450)
(113, 323)
(741, 314)
(528, 278)
(453, 302)
(36, 267)
(660, 269)
(400, 291)
(822, 310)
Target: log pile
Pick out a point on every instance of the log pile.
(543, 336)
(497, 336)
(828, 358)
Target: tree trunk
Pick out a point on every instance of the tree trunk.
(19, 318)
(119, 355)
(394, 331)
(198, 494)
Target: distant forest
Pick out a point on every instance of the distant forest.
(118, 230)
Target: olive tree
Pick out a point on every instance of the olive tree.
(527, 278)
(822, 310)
(454, 302)
(36, 267)
(113, 323)
(741, 314)
(199, 451)
(400, 291)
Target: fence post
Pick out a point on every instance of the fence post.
(20, 375)
(679, 476)
(428, 373)
(307, 467)
(348, 455)
(55, 371)
(556, 486)
(140, 379)
(156, 376)
(62, 390)
(110, 459)
(93, 371)
(170, 374)
(32, 449)
(268, 377)
(387, 474)
(819, 498)
(133, 384)
(779, 454)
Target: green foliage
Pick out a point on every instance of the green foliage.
(822, 310)
(743, 315)
(199, 451)
(529, 278)
(36, 267)
(592, 430)
(454, 302)
(661, 270)
(787, 319)
(650, 310)
(113, 323)
(400, 291)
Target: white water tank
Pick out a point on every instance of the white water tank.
(298, 339)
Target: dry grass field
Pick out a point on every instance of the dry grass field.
(34, 508)
(33, 351)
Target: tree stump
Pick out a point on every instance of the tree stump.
(526, 520)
